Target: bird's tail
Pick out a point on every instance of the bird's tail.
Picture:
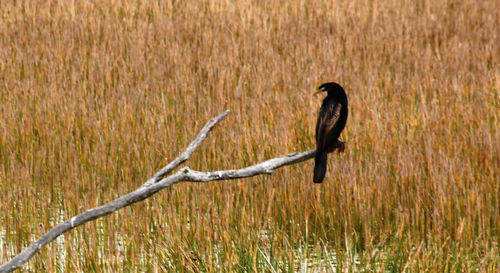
(320, 167)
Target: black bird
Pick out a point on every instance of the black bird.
(331, 121)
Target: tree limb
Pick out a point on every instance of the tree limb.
(156, 183)
(189, 150)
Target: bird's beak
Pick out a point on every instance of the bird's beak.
(317, 92)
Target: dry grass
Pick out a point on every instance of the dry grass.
(96, 95)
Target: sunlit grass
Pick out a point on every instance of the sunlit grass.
(95, 96)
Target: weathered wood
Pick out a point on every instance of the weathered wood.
(156, 183)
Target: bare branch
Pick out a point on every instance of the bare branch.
(266, 167)
(155, 184)
(189, 150)
(140, 194)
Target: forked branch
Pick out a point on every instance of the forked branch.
(159, 181)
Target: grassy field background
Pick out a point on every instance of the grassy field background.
(97, 95)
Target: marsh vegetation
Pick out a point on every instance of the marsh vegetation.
(97, 95)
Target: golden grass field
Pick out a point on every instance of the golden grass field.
(95, 96)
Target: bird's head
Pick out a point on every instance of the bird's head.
(330, 88)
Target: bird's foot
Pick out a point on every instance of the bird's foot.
(339, 146)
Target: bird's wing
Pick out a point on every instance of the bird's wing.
(328, 117)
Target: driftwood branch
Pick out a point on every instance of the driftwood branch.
(156, 183)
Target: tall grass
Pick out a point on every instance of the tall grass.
(97, 95)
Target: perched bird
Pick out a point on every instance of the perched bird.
(332, 118)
